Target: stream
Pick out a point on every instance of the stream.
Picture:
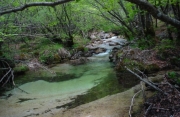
(46, 93)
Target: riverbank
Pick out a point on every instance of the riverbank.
(110, 106)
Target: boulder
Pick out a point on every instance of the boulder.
(78, 61)
(64, 54)
(100, 50)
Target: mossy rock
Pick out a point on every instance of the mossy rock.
(151, 68)
(131, 64)
(57, 58)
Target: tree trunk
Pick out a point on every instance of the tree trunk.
(69, 41)
(156, 13)
(149, 30)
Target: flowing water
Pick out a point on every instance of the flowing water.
(47, 92)
(44, 92)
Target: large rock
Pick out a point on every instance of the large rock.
(63, 53)
(78, 61)
(100, 50)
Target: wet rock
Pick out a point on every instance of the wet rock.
(100, 50)
(77, 55)
(93, 37)
(79, 61)
(113, 55)
(63, 53)
(88, 54)
(113, 44)
(101, 35)
(107, 35)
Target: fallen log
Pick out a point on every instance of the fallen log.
(145, 81)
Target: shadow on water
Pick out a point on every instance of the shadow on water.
(97, 76)
(59, 77)
(109, 86)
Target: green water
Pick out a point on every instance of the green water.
(85, 83)
(65, 77)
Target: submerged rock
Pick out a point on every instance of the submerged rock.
(78, 61)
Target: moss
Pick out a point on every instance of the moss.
(151, 68)
(131, 64)
(57, 58)
(20, 69)
(174, 77)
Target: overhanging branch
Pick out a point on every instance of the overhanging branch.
(156, 13)
(25, 6)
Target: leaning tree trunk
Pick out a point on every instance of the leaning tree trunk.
(156, 13)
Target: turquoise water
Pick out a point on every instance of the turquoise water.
(65, 78)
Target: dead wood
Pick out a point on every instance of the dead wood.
(146, 81)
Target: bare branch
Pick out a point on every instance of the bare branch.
(25, 6)
(147, 82)
(150, 106)
(132, 101)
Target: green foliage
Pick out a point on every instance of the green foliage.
(132, 64)
(79, 41)
(165, 44)
(48, 53)
(175, 77)
(20, 69)
(46, 57)
(146, 43)
(172, 74)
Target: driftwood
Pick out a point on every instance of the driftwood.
(132, 101)
(165, 103)
(146, 81)
(7, 74)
